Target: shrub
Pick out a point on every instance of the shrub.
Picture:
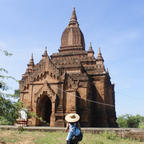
(141, 125)
(20, 129)
(4, 121)
(109, 135)
(129, 121)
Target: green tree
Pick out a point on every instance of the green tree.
(8, 109)
(141, 125)
(122, 121)
(130, 121)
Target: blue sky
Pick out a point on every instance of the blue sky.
(117, 26)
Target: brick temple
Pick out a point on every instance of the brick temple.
(71, 80)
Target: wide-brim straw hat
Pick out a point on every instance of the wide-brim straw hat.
(72, 117)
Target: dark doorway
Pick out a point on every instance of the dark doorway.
(44, 110)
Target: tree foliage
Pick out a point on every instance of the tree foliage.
(130, 121)
(8, 109)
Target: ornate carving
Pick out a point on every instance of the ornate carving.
(47, 90)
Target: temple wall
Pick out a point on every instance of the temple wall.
(100, 109)
(70, 101)
(110, 110)
(84, 109)
(100, 86)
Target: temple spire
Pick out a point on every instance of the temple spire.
(72, 38)
(100, 61)
(90, 48)
(45, 54)
(99, 57)
(31, 63)
(90, 51)
(73, 19)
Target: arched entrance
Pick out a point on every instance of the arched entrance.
(44, 110)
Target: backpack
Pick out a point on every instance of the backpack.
(80, 136)
(75, 139)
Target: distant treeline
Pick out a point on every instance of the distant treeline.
(130, 121)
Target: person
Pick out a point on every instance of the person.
(73, 128)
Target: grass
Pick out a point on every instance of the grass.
(37, 137)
